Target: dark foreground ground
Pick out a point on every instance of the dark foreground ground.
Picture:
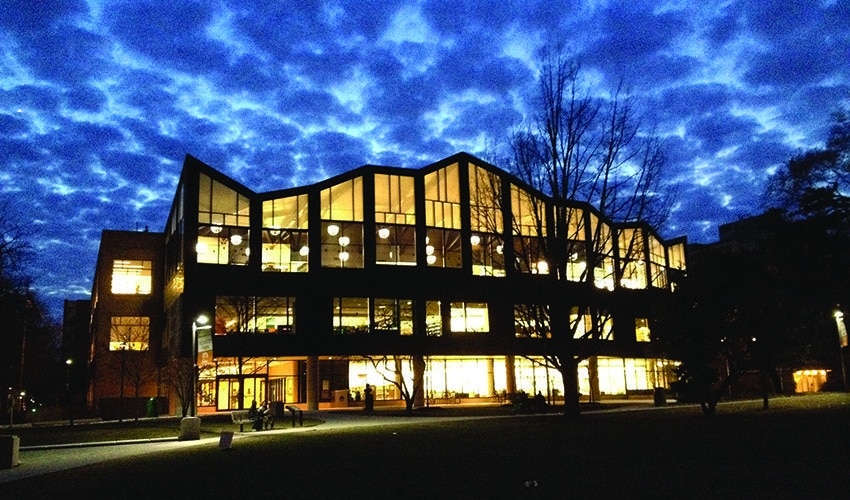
(796, 449)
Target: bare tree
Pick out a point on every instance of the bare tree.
(392, 369)
(135, 365)
(582, 145)
(181, 379)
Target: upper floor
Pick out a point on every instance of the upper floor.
(459, 215)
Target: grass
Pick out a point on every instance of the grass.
(796, 449)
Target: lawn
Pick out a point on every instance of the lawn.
(796, 449)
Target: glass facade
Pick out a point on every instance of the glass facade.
(223, 224)
(395, 220)
(285, 234)
(342, 224)
(459, 251)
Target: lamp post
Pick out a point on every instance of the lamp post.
(68, 363)
(199, 323)
(190, 426)
(842, 342)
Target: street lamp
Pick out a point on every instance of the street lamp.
(199, 323)
(842, 342)
(68, 363)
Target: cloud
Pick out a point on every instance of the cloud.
(100, 100)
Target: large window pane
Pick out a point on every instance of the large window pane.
(129, 333)
(469, 317)
(131, 277)
(351, 315)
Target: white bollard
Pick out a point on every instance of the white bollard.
(9, 451)
(190, 428)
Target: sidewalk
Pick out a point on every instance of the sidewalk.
(38, 460)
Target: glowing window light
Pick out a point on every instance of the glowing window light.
(304, 251)
(475, 240)
(542, 267)
(343, 256)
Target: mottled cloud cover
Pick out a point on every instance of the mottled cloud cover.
(102, 99)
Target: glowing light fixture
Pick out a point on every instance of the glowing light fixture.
(543, 267)
(429, 250)
(304, 251)
(343, 256)
(431, 259)
(475, 240)
(236, 239)
(275, 231)
(344, 241)
(333, 229)
(384, 233)
(215, 228)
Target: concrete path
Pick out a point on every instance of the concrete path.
(38, 460)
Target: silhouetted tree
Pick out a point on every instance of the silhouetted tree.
(815, 185)
(393, 369)
(586, 145)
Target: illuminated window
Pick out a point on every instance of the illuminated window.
(529, 229)
(642, 333)
(131, 277)
(603, 247)
(633, 258)
(285, 245)
(342, 244)
(393, 316)
(676, 255)
(223, 221)
(486, 222)
(433, 319)
(129, 333)
(395, 218)
(395, 245)
(442, 198)
(488, 254)
(351, 315)
(442, 217)
(657, 263)
(576, 250)
(342, 224)
(531, 321)
(250, 314)
(584, 325)
(469, 317)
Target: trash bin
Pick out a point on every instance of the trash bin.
(660, 396)
(152, 409)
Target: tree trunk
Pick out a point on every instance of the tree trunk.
(418, 381)
(569, 373)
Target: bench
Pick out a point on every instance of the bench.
(241, 417)
(296, 410)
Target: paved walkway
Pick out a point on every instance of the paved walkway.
(38, 460)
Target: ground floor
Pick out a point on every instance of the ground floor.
(234, 383)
